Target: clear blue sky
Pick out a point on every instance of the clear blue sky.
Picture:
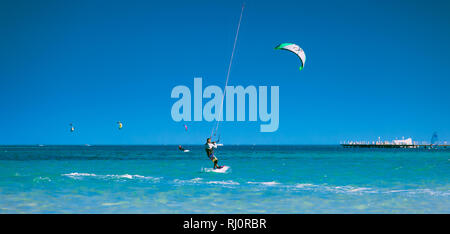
(374, 68)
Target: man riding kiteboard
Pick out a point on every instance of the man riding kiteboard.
(209, 148)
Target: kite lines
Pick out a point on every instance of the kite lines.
(214, 130)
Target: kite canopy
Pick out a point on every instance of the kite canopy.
(294, 49)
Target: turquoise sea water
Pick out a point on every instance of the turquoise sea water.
(262, 179)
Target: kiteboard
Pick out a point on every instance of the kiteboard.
(224, 169)
(186, 151)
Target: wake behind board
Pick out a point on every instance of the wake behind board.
(185, 151)
(224, 169)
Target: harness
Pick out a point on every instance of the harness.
(210, 152)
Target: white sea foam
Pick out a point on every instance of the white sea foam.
(41, 179)
(335, 189)
(191, 181)
(77, 175)
(227, 182)
(114, 203)
(348, 189)
(202, 181)
(271, 183)
(305, 185)
(420, 191)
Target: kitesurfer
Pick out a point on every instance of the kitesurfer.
(209, 148)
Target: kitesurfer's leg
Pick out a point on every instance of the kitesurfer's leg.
(216, 165)
(215, 162)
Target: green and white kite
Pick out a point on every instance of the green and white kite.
(294, 49)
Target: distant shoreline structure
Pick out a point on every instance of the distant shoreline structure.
(404, 143)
